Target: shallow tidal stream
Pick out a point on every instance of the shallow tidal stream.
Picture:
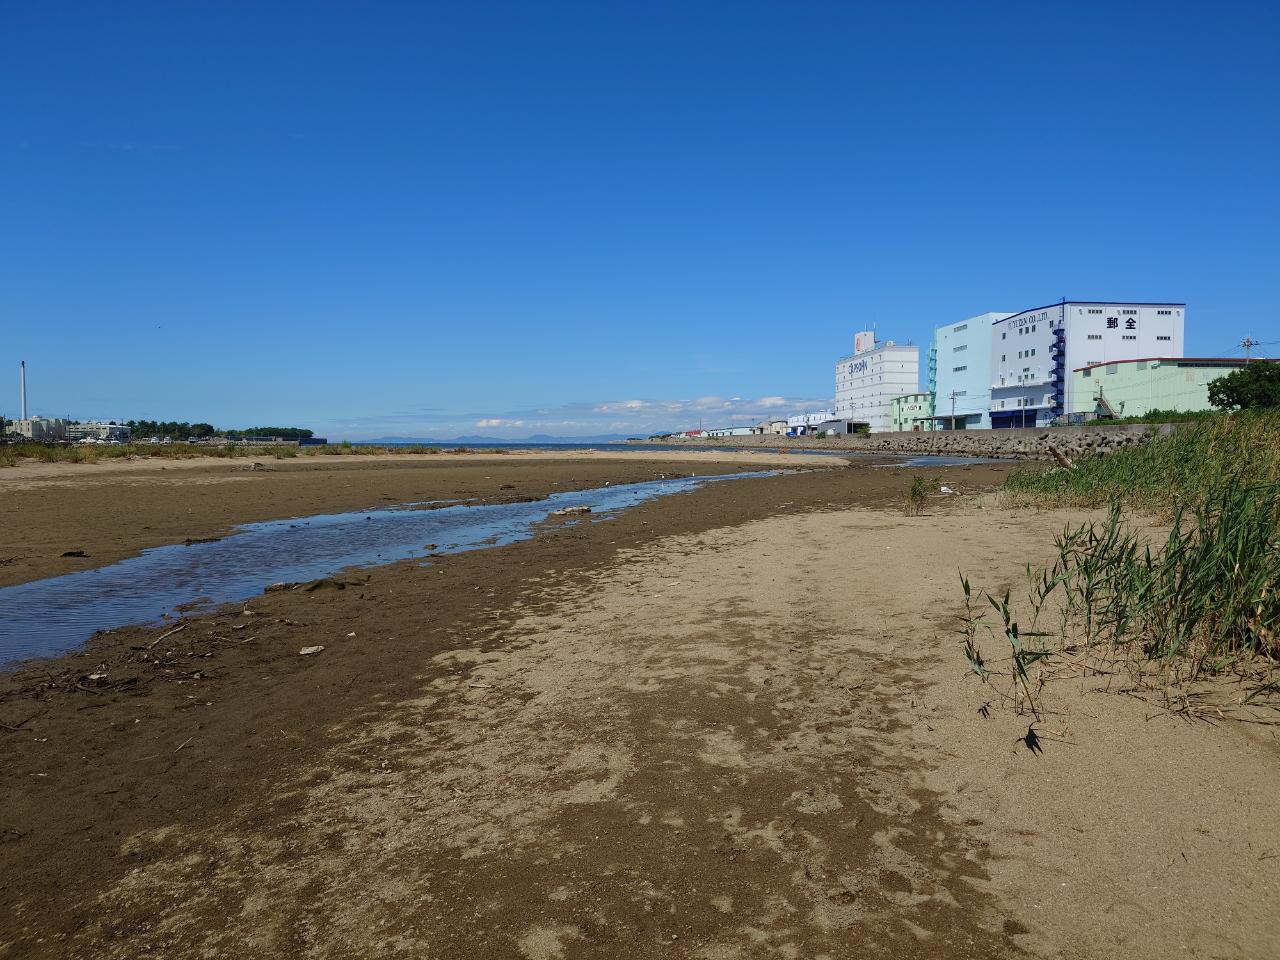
(58, 614)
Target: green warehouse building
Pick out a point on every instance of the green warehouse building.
(1131, 388)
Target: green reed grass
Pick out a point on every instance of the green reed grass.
(1208, 600)
(1169, 471)
(1204, 602)
(916, 495)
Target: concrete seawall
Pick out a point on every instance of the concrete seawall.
(1013, 444)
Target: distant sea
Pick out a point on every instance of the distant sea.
(612, 445)
(520, 445)
(900, 459)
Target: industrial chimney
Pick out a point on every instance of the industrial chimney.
(22, 382)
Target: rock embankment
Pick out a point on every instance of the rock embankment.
(1013, 444)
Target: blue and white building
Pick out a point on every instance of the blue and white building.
(960, 373)
(1033, 353)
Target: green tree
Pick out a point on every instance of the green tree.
(1254, 386)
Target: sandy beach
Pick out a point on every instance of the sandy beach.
(728, 723)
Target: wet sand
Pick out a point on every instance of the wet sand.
(729, 723)
(113, 509)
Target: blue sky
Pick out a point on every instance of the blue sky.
(574, 218)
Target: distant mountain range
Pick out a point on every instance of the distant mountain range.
(476, 438)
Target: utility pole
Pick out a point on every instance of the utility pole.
(1248, 343)
(953, 409)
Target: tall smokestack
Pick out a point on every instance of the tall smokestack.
(22, 380)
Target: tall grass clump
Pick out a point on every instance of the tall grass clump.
(1208, 601)
(916, 495)
(1168, 471)
(1204, 603)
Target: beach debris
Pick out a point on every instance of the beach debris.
(351, 634)
(308, 651)
(190, 541)
(74, 553)
(570, 511)
(1063, 460)
(167, 634)
(944, 489)
(331, 584)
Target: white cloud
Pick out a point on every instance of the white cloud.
(629, 417)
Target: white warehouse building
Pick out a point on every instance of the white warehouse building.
(868, 379)
(1034, 352)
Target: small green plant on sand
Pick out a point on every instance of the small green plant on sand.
(1161, 619)
(916, 496)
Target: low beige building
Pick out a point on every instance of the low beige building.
(39, 428)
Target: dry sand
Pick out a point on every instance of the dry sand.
(747, 738)
(20, 475)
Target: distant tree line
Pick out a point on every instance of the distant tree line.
(181, 430)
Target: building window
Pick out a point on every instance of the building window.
(1129, 336)
(1129, 313)
(1033, 351)
(1164, 313)
(1095, 336)
(1003, 334)
(1097, 310)
(959, 369)
(1164, 338)
(1002, 357)
(961, 328)
(963, 346)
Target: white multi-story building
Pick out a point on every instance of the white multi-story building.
(1034, 352)
(869, 378)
